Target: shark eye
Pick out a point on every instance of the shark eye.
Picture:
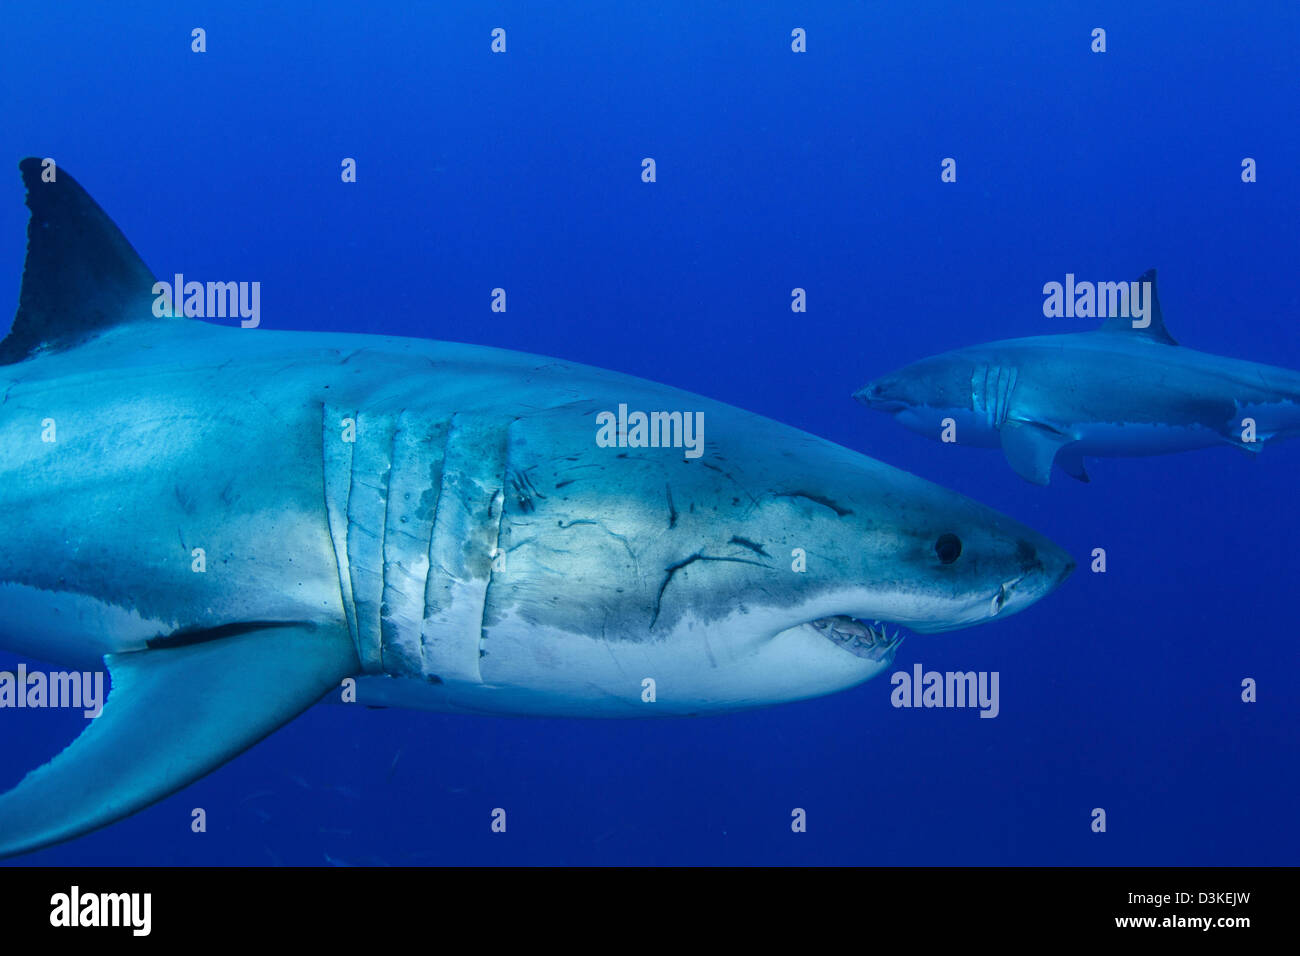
(948, 548)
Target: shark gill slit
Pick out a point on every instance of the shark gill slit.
(498, 514)
(336, 462)
(440, 442)
(389, 559)
(465, 531)
(992, 387)
(979, 389)
(995, 396)
(418, 477)
(367, 517)
(1006, 385)
(990, 410)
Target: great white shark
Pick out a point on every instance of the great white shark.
(1124, 389)
(238, 522)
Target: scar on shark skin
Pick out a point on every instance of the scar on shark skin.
(524, 491)
(673, 569)
(746, 543)
(622, 539)
(816, 499)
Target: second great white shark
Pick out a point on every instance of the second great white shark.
(1121, 390)
(242, 521)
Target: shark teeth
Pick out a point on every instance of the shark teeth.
(872, 641)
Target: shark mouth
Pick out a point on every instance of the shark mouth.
(871, 641)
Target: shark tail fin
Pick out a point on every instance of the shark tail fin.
(172, 716)
(81, 275)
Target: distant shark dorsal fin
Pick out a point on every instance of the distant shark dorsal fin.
(81, 276)
(1156, 329)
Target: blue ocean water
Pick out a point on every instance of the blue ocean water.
(776, 170)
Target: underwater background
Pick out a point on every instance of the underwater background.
(775, 170)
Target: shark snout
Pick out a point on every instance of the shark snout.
(1031, 566)
(877, 395)
(1044, 568)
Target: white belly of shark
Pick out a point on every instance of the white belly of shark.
(1142, 438)
(545, 671)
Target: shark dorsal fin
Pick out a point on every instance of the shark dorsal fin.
(81, 275)
(1156, 329)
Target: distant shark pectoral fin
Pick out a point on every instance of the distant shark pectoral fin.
(1030, 449)
(1071, 461)
(1250, 449)
(172, 716)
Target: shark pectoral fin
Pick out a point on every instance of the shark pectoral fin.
(172, 716)
(1250, 449)
(1030, 449)
(1071, 461)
